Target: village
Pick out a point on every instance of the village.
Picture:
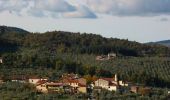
(73, 83)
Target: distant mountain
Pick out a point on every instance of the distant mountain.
(6, 29)
(164, 42)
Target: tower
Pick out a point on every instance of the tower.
(116, 78)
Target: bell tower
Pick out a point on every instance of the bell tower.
(116, 78)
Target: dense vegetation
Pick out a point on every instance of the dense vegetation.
(65, 42)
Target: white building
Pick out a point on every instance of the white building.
(110, 84)
(34, 80)
(106, 83)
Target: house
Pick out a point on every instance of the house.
(82, 81)
(34, 80)
(106, 83)
(71, 82)
(82, 88)
(16, 78)
(41, 86)
(134, 89)
(55, 87)
(1, 60)
(111, 84)
(111, 56)
(106, 57)
(102, 57)
(121, 83)
(79, 84)
(70, 76)
(140, 89)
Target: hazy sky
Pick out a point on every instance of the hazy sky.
(139, 20)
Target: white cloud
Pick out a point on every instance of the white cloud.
(54, 5)
(87, 8)
(59, 8)
(81, 12)
(130, 7)
(13, 5)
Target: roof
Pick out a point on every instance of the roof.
(70, 80)
(108, 79)
(54, 84)
(41, 82)
(36, 77)
(70, 76)
(73, 81)
(112, 84)
(81, 85)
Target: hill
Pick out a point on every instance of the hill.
(165, 42)
(6, 29)
(68, 42)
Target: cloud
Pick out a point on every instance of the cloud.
(59, 8)
(54, 5)
(81, 12)
(13, 5)
(87, 8)
(130, 7)
(164, 19)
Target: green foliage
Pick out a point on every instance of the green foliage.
(15, 91)
(155, 94)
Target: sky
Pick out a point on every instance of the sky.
(135, 20)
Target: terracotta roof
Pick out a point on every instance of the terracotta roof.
(108, 79)
(36, 77)
(54, 84)
(81, 85)
(71, 80)
(112, 84)
(41, 82)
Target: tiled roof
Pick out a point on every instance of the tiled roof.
(54, 84)
(108, 79)
(81, 85)
(71, 80)
(112, 84)
(36, 77)
(41, 82)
